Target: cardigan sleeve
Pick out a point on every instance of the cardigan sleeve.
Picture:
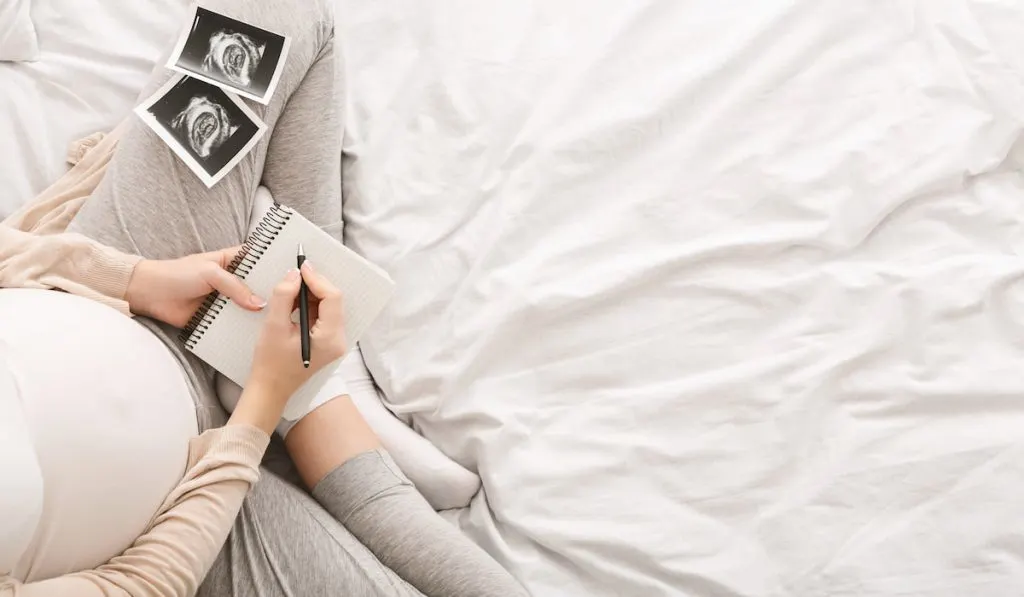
(66, 261)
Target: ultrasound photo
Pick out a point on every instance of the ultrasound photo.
(234, 55)
(208, 128)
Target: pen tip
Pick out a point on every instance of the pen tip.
(305, 364)
(300, 249)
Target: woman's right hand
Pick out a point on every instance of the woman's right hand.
(170, 290)
(277, 369)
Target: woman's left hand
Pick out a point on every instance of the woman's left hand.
(170, 290)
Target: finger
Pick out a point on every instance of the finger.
(225, 256)
(330, 311)
(281, 301)
(234, 288)
(320, 286)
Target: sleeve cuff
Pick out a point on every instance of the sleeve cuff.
(110, 271)
(243, 444)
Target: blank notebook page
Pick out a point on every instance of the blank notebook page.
(224, 335)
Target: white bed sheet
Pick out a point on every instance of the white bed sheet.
(719, 298)
(95, 56)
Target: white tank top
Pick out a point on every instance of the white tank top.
(95, 418)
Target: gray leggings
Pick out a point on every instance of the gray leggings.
(367, 532)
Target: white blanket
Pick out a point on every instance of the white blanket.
(93, 59)
(719, 298)
(17, 32)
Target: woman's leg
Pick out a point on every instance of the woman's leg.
(338, 455)
(151, 204)
(284, 544)
(377, 538)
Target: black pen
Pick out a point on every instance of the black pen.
(303, 311)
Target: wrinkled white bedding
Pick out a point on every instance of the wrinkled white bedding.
(719, 298)
(94, 57)
(17, 32)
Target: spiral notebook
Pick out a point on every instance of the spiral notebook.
(223, 334)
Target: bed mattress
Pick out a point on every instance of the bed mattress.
(95, 56)
(718, 298)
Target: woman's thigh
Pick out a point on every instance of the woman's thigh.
(284, 544)
(151, 204)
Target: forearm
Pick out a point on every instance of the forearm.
(384, 511)
(68, 262)
(258, 408)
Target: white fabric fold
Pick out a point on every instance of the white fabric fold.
(18, 41)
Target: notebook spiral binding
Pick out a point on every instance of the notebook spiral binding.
(252, 250)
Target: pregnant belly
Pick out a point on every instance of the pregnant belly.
(106, 415)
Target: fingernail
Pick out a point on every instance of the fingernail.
(309, 266)
(257, 302)
(293, 275)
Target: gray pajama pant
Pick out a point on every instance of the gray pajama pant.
(365, 530)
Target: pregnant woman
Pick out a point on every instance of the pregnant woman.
(178, 546)
(131, 226)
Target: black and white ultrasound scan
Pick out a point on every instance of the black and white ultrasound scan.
(207, 127)
(229, 53)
